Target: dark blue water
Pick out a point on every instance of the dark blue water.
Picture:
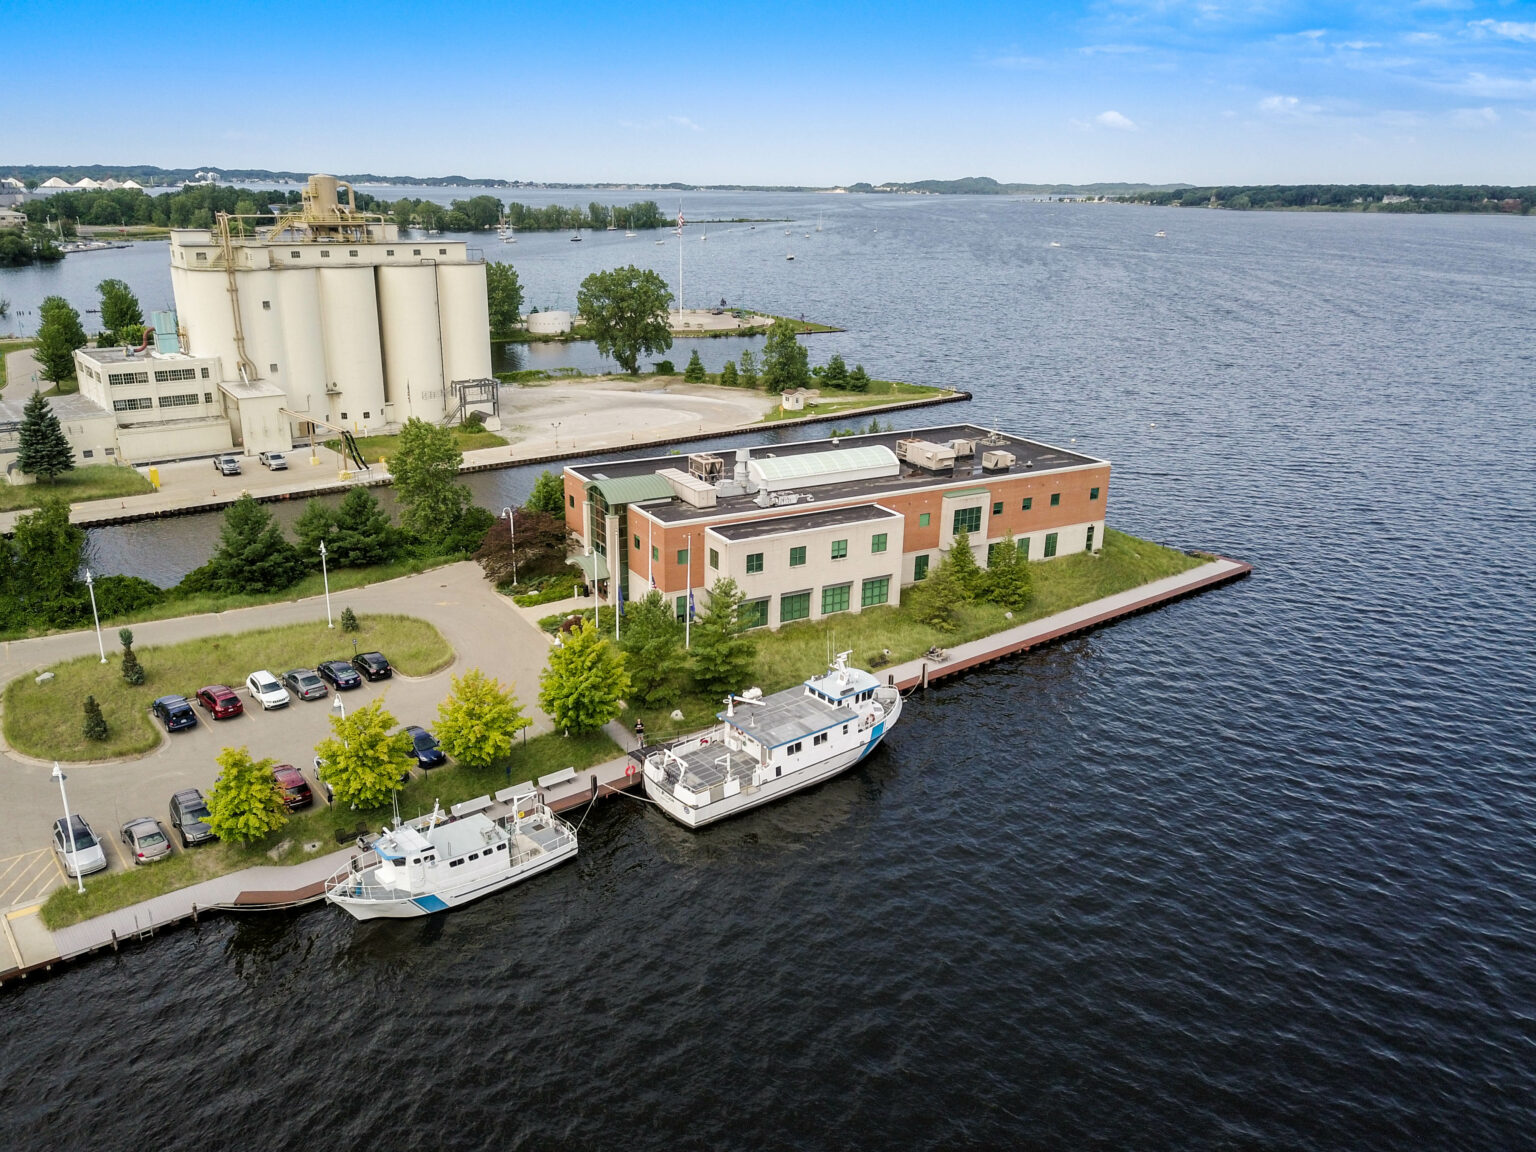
(1253, 871)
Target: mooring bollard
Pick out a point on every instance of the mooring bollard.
(114, 939)
(925, 678)
(194, 911)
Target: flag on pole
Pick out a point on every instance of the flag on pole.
(690, 604)
(622, 598)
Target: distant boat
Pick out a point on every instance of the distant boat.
(818, 223)
(629, 235)
(786, 231)
(791, 256)
(1160, 234)
(576, 237)
(661, 241)
(1055, 244)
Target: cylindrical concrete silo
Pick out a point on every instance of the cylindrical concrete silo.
(261, 315)
(303, 376)
(202, 308)
(465, 318)
(413, 346)
(350, 314)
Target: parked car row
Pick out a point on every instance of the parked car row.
(221, 702)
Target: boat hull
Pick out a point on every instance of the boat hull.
(443, 900)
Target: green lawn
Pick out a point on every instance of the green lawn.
(44, 720)
(835, 400)
(91, 482)
(375, 447)
(797, 651)
(318, 825)
(65, 387)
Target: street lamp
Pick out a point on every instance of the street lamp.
(512, 528)
(326, 576)
(90, 584)
(338, 706)
(69, 829)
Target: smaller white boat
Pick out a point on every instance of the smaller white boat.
(629, 235)
(440, 862)
(1055, 244)
(1160, 234)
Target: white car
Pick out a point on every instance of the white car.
(266, 691)
(85, 853)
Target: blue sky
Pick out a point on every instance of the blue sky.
(1204, 91)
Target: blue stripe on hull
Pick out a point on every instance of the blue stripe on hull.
(430, 903)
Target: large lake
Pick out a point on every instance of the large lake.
(1256, 870)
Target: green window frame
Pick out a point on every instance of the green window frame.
(839, 549)
(877, 542)
(1055, 499)
(992, 551)
(875, 590)
(1093, 493)
(922, 519)
(752, 614)
(1029, 502)
(1050, 544)
(920, 567)
(835, 598)
(655, 552)
(1024, 548)
(637, 543)
(714, 558)
(997, 507)
(754, 562)
(682, 607)
(682, 556)
(797, 556)
(1088, 545)
(966, 520)
(796, 606)
(571, 500)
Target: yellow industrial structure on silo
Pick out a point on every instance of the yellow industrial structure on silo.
(358, 328)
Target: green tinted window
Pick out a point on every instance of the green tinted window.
(967, 520)
(1093, 493)
(754, 562)
(682, 555)
(753, 613)
(714, 558)
(1050, 543)
(796, 556)
(1024, 548)
(834, 599)
(1029, 502)
(796, 607)
(1055, 499)
(839, 549)
(1088, 546)
(997, 508)
(922, 519)
(875, 591)
(655, 552)
(877, 542)
(920, 567)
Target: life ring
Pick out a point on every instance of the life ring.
(629, 770)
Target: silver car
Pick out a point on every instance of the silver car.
(146, 839)
(86, 851)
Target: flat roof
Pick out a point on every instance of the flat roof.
(70, 406)
(803, 521)
(1033, 457)
(120, 355)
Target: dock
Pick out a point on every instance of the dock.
(27, 947)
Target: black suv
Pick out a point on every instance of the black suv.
(373, 665)
(188, 812)
(174, 712)
(340, 675)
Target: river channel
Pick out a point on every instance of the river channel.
(1256, 870)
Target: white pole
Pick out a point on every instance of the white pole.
(90, 584)
(74, 852)
(688, 603)
(326, 576)
(512, 527)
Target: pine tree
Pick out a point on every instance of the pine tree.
(1008, 580)
(749, 378)
(125, 637)
(728, 376)
(253, 554)
(133, 671)
(936, 601)
(652, 643)
(363, 533)
(58, 336)
(835, 374)
(694, 373)
(584, 681)
(349, 620)
(723, 653)
(316, 524)
(44, 449)
(95, 726)
(858, 379)
(969, 577)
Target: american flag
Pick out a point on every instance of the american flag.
(679, 219)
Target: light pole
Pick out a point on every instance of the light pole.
(69, 830)
(325, 575)
(512, 528)
(338, 706)
(90, 584)
(557, 435)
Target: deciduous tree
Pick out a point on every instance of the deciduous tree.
(538, 547)
(548, 494)
(246, 802)
(434, 504)
(584, 681)
(785, 362)
(723, 652)
(652, 643)
(119, 307)
(749, 376)
(364, 758)
(58, 336)
(43, 449)
(504, 295)
(625, 312)
(45, 576)
(478, 721)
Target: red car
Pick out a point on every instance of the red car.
(221, 702)
(296, 793)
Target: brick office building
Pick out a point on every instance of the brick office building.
(826, 526)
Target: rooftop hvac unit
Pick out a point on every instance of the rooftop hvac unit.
(707, 467)
(998, 461)
(689, 489)
(963, 447)
(904, 444)
(927, 454)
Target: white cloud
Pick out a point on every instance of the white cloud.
(1279, 105)
(1496, 87)
(1508, 29)
(684, 122)
(1113, 119)
(1313, 33)
(1014, 61)
(1111, 49)
(1360, 45)
(1476, 117)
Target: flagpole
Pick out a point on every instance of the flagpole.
(688, 605)
(679, 263)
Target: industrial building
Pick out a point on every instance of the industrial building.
(815, 528)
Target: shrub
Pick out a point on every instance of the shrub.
(95, 726)
(694, 373)
(665, 368)
(133, 671)
(728, 376)
(349, 620)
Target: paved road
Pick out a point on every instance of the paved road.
(486, 632)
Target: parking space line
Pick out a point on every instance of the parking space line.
(27, 876)
(116, 855)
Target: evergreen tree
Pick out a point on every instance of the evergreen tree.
(548, 495)
(45, 576)
(728, 376)
(44, 450)
(584, 681)
(133, 671)
(317, 523)
(1008, 579)
(694, 373)
(478, 721)
(835, 374)
(936, 601)
(723, 652)
(246, 801)
(363, 533)
(119, 308)
(858, 379)
(125, 637)
(652, 643)
(349, 620)
(785, 361)
(364, 758)
(969, 577)
(253, 554)
(748, 369)
(58, 336)
(95, 726)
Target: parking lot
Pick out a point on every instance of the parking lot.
(483, 629)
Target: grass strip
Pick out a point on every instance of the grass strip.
(376, 448)
(90, 482)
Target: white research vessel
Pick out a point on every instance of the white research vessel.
(440, 862)
(769, 746)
